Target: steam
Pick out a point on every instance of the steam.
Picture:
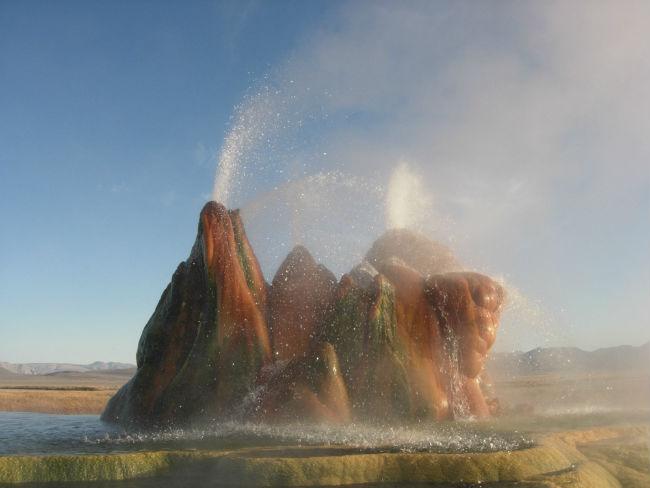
(527, 121)
(228, 163)
(252, 125)
(332, 213)
(407, 202)
(529, 320)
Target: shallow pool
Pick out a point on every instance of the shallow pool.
(32, 433)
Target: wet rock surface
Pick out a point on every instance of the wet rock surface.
(403, 336)
(201, 352)
(301, 295)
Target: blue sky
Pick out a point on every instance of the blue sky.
(527, 124)
(105, 109)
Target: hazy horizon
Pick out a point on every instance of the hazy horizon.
(132, 363)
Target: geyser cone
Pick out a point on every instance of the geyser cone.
(413, 249)
(402, 336)
(301, 295)
(446, 323)
(250, 265)
(202, 349)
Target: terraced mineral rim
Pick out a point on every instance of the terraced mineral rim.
(272, 467)
(305, 466)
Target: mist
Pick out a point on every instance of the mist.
(527, 139)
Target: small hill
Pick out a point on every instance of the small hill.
(5, 373)
(571, 360)
(48, 368)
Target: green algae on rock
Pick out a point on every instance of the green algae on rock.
(363, 329)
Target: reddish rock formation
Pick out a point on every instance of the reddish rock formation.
(446, 321)
(300, 297)
(404, 335)
(202, 349)
(413, 249)
(468, 306)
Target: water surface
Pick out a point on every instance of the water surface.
(33, 433)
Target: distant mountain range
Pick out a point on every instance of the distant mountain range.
(557, 360)
(51, 368)
(571, 360)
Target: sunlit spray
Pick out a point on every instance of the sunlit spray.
(407, 202)
(254, 123)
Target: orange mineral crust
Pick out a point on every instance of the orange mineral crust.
(468, 306)
(419, 331)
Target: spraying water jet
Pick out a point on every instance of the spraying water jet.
(407, 202)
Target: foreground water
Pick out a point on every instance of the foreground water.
(31, 433)
(510, 448)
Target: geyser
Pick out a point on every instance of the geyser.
(403, 336)
(406, 200)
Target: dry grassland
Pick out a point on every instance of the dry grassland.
(54, 401)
